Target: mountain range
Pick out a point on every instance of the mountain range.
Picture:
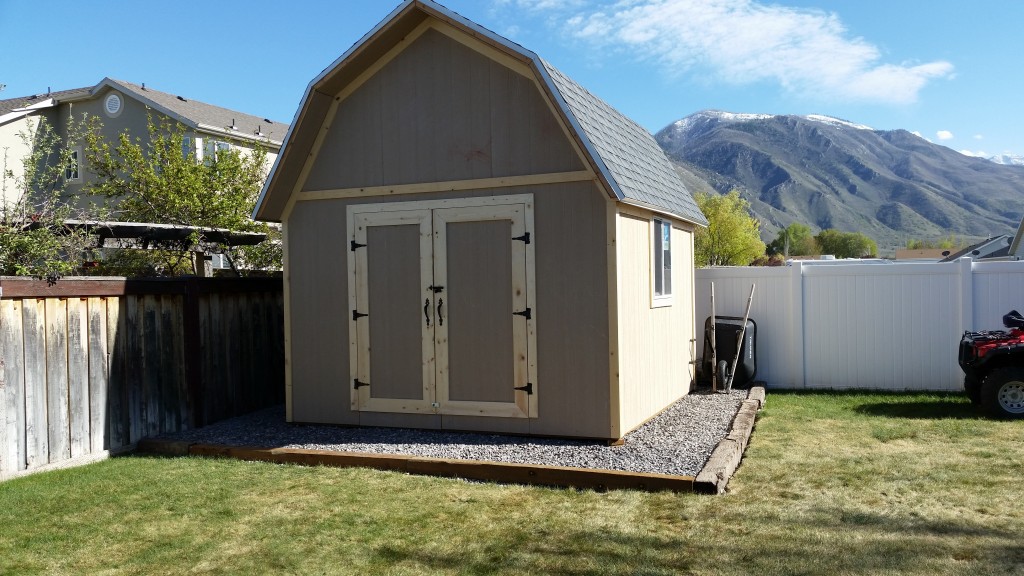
(824, 172)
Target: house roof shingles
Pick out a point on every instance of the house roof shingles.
(201, 114)
(11, 104)
(196, 114)
(633, 159)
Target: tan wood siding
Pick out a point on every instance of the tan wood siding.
(654, 342)
(440, 111)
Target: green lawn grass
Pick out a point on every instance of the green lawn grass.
(831, 484)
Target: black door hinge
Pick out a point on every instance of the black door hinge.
(357, 384)
(528, 388)
(524, 314)
(357, 245)
(525, 238)
(356, 315)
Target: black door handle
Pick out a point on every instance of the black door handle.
(426, 311)
(440, 317)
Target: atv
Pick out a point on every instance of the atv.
(993, 365)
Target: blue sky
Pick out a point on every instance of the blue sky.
(947, 69)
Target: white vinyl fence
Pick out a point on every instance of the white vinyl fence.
(870, 326)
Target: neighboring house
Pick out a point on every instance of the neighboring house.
(922, 254)
(473, 241)
(124, 106)
(1016, 250)
(995, 247)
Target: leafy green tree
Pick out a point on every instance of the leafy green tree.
(34, 237)
(845, 244)
(733, 236)
(162, 180)
(947, 243)
(794, 240)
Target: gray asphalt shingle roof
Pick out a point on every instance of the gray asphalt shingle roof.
(203, 114)
(22, 101)
(633, 158)
(190, 112)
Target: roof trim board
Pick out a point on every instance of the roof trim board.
(25, 111)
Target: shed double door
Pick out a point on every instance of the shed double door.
(442, 316)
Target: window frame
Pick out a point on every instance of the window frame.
(661, 267)
(73, 169)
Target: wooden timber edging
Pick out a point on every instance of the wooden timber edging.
(712, 479)
(725, 459)
(466, 469)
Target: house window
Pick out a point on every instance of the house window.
(661, 261)
(71, 170)
(212, 149)
(187, 149)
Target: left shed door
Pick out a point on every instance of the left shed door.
(393, 318)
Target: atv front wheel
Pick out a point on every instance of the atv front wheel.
(1002, 393)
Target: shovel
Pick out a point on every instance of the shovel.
(731, 370)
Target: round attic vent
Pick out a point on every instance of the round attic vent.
(112, 104)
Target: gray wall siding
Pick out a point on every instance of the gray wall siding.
(318, 293)
(571, 320)
(572, 317)
(440, 111)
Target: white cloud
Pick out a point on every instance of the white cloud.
(979, 137)
(538, 5)
(808, 52)
(944, 135)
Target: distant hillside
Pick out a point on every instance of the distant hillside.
(830, 173)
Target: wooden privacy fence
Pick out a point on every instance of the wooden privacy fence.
(88, 366)
(889, 326)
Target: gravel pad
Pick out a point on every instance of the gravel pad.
(678, 441)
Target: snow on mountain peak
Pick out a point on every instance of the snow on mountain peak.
(723, 116)
(1008, 159)
(836, 122)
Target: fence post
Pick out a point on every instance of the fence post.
(966, 294)
(798, 347)
(193, 354)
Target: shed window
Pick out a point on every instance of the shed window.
(662, 262)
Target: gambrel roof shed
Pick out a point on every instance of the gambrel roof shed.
(625, 156)
(473, 241)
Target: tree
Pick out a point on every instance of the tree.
(794, 240)
(34, 237)
(948, 243)
(162, 180)
(845, 244)
(733, 236)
